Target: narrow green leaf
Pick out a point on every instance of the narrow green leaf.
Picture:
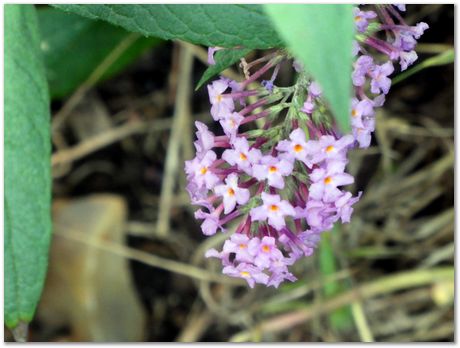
(223, 59)
(70, 40)
(321, 37)
(443, 58)
(340, 318)
(27, 165)
(209, 25)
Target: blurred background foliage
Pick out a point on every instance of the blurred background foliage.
(127, 263)
(74, 46)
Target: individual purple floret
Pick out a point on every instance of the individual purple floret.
(211, 51)
(314, 90)
(221, 105)
(380, 80)
(363, 66)
(328, 148)
(273, 170)
(356, 48)
(325, 181)
(406, 59)
(231, 193)
(211, 221)
(264, 251)
(248, 272)
(268, 85)
(241, 155)
(273, 210)
(200, 172)
(361, 109)
(308, 107)
(362, 17)
(344, 206)
(296, 148)
(231, 123)
(205, 139)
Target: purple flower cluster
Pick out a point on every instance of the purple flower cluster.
(399, 44)
(285, 182)
(289, 191)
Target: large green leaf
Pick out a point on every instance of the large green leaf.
(27, 165)
(321, 36)
(224, 59)
(209, 25)
(73, 46)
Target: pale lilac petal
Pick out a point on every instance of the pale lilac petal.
(331, 193)
(232, 180)
(286, 208)
(308, 107)
(285, 167)
(284, 145)
(259, 171)
(209, 226)
(229, 156)
(253, 246)
(220, 189)
(316, 191)
(242, 196)
(314, 89)
(254, 155)
(387, 68)
(336, 167)
(211, 180)
(270, 199)
(345, 141)
(297, 135)
(276, 180)
(229, 203)
(317, 174)
(260, 278)
(258, 213)
(276, 221)
(212, 253)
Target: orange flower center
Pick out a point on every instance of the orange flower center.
(358, 18)
(242, 246)
(245, 274)
(266, 248)
(274, 207)
(243, 157)
(230, 192)
(219, 98)
(354, 113)
(328, 180)
(329, 148)
(298, 148)
(272, 169)
(204, 170)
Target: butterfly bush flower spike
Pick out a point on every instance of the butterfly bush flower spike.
(284, 181)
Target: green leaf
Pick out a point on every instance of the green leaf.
(70, 40)
(209, 25)
(27, 165)
(223, 59)
(321, 37)
(340, 318)
(443, 58)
